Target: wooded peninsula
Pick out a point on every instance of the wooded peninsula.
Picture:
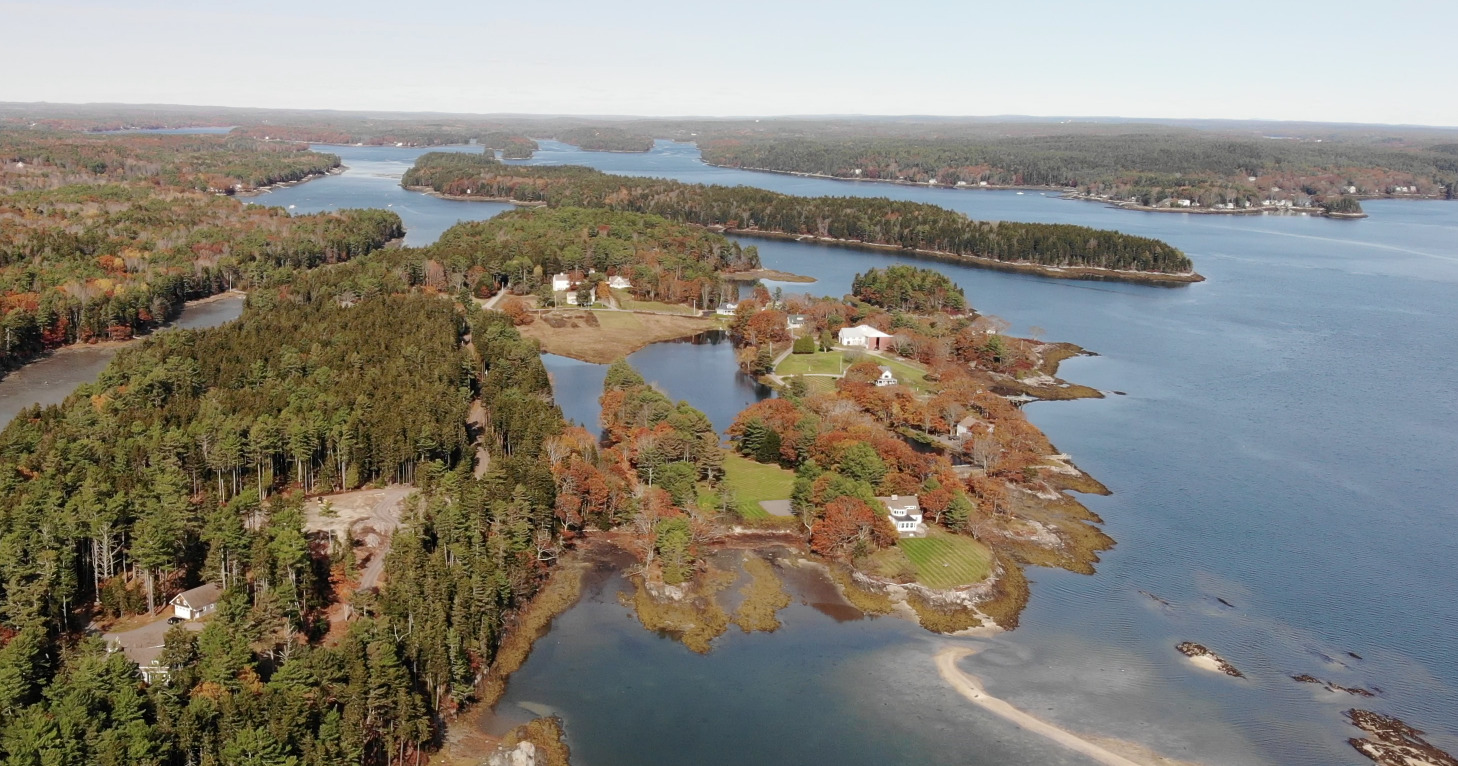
(1052, 249)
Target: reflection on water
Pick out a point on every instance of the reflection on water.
(51, 379)
(701, 370)
(824, 688)
(372, 180)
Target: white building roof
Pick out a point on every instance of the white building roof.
(865, 331)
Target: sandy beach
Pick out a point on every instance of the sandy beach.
(970, 687)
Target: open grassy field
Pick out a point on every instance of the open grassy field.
(818, 363)
(945, 560)
(602, 336)
(906, 373)
(751, 482)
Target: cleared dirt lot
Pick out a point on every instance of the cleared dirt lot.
(370, 516)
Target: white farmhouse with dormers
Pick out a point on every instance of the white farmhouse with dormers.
(905, 515)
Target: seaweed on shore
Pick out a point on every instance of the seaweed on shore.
(558, 595)
(1394, 743)
(764, 597)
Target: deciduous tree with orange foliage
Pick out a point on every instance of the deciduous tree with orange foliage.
(850, 528)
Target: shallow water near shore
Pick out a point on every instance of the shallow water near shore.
(1286, 445)
(50, 379)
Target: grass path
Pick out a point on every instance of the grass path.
(751, 482)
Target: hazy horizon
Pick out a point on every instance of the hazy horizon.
(758, 58)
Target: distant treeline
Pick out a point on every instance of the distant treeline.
(605, 140)
(31, 159)
(1134, 163)
(875, 221)
(102, 237)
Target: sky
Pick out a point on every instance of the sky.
(1331, 61)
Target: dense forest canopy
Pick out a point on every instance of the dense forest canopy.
(857, 219)
(32, 159)
(175, 468)
(664, 260)
(103, 237)
(908, 288)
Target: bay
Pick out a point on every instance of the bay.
(1285, 445)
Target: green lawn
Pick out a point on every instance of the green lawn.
(751, 482)
(906, 373)
(818, 363)
(945, 560)
(818, 385)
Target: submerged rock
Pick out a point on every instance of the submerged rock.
(1394, 743)
(1307, 678)
(1202, 656)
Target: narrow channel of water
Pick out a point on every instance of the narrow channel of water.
(52, 378)
(372, 180)
(701, 369)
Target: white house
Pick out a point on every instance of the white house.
(561, 283)
(727, 309)
(864, 336)
(192, 604)
(619, 283)
(905, 514)
(888, 378)
(966, 426)
(795, 321)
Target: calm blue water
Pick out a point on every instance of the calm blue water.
(1286, 446)
(701, 369)
(372, 179)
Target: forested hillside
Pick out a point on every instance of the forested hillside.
(33, 159)
(876, 221)
(101, 238)
(665, 260)
(183, 464)
(591, 139)
(1149, 166)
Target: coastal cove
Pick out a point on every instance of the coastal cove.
(50, 379)
(1256, 405)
